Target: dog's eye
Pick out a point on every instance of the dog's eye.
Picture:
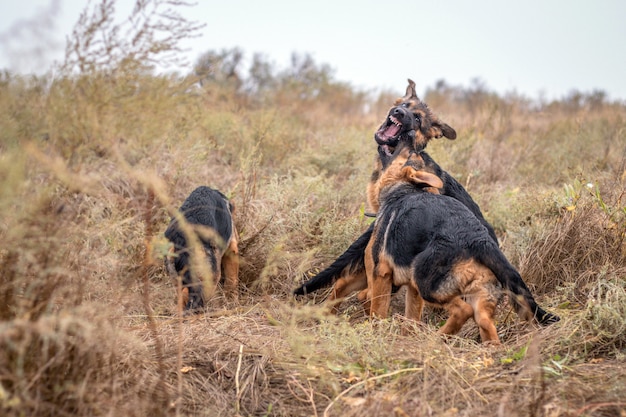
(418, 118)
(406, 105)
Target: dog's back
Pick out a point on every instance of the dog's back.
(452, 188)
(206, 207)
(429, 235)
(211, 212)
(413, 221)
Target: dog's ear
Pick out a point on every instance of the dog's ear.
(448, 131)
(422, 178)
(410, 91)
(439, 129)
(409, 95)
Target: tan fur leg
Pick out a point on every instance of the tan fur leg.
(345, 286)
(414, 304)
(459, 312)
(364, 297)
(230, 262)
(484, 318)
(484, 307)
(380, 290)
(479, 295)
(379, 280)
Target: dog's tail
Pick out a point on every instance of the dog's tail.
(521, 297)
(352, 260)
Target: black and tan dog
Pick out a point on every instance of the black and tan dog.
(209, 220)
(411, 120)
(437, 247)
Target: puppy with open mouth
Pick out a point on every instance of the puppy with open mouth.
(411, 118)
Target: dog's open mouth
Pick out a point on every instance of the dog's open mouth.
(388, 134)
(389, 130)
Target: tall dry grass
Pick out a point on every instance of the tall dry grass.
(94, 162)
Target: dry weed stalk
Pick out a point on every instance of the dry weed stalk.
(151, 35)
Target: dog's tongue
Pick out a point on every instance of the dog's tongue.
(389, 132)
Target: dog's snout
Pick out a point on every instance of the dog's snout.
(404, 116)
(398, 111)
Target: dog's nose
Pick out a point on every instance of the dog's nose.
(398, 112)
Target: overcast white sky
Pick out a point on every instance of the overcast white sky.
(534, 47)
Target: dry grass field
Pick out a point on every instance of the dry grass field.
(97, 155)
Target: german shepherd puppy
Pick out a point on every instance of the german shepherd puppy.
(411, 120)
(438, 247)
(210, 215)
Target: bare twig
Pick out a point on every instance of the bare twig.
(365, 381)
(238, 391)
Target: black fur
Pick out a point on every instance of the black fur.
(206, 207)
(431, 233)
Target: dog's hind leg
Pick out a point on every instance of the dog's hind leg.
(345, 286)
(414, 304)
(459, 312)
(484, 305)
(481, 293)
(483, 315)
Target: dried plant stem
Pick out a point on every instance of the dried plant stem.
(365, 381)
(161, 386)
(310, 393)
(179, 350)
(594, 406)
(238, 391)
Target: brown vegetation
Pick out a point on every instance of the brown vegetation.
(94, 159)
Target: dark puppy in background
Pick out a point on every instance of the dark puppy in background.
(209, 215)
